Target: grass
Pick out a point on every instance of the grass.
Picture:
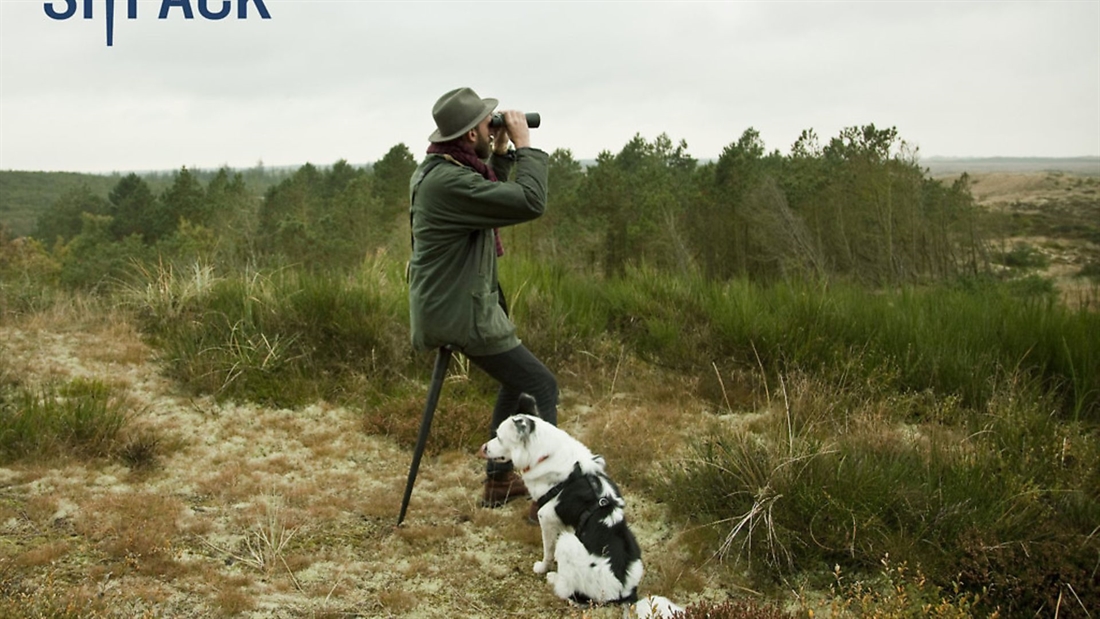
(82, 417)
(898, 591)
(900, 430)
(264, 546)
(288, 337)
(284, 338)
(808, 484)
(785, 429)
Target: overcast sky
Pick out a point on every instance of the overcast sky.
(323, 80)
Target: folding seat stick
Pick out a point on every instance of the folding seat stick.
(442, 360)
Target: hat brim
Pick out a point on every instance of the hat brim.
(490, 104)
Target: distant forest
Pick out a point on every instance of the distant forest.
(25, 195)
(860, 205)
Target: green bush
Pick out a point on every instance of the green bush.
(28, 275)
(92, 259)
(1023, 256)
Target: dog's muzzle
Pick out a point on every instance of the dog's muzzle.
(483, 453)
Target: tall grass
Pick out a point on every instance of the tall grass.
(80, 417)
(283, 338)
(953, 340)
(289, 336)
(811, 485)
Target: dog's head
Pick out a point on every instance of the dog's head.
(512, 440)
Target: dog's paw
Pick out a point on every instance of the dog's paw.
(541, 567)
(551, 577)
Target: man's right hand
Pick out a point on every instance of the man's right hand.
(516, 123)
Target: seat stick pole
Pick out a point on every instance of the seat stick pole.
(442, 360)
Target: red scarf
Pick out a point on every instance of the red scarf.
(463, 152)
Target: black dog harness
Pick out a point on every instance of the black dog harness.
(593, 483)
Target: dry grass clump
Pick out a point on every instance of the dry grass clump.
(233, 601)
(461, 420)
(137, 531)
(634, 438)
(44, 555)
(265, 544)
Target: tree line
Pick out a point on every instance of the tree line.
(858, 206)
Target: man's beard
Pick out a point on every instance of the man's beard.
(483, 147)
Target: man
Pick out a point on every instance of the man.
(457, 204)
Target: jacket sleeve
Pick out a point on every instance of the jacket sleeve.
(468, 200)
(502, 165)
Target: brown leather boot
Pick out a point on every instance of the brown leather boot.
(501, 489)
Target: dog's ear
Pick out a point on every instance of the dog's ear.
(525, 427)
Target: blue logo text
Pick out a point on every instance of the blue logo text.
(222, 9)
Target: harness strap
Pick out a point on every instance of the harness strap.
(592, 509)
(558, 487)
(593, 483)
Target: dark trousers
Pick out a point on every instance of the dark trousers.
(518, 372)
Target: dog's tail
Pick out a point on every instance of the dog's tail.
(655, 607)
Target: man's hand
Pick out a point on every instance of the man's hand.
(516, 124)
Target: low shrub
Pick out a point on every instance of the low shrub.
(1023, 256)
(83, 417)
(282, 339)
(898, 592)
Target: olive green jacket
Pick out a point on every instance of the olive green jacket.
(453, 271)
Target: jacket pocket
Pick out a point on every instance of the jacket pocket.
(491, 325)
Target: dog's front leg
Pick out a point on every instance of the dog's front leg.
(551, 528)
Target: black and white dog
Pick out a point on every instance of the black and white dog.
(580, 512)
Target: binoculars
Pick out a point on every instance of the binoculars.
(533, 120)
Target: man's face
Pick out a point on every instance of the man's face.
(483, 145)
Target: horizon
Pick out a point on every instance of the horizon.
(1084, 160)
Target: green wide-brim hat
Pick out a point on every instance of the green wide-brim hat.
(457, 112)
